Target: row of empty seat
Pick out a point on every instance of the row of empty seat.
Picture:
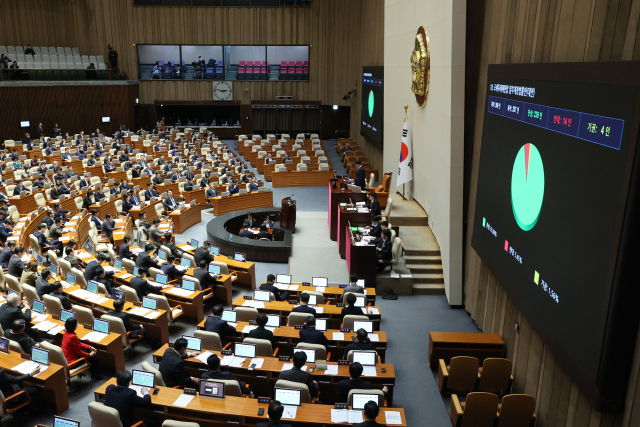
(56, 66)
(62, 59)
(13, 50)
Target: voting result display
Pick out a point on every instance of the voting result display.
(557, 193)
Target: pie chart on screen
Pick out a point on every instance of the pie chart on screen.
(527, 186)
(371, 104)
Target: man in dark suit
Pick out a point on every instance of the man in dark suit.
(280, 296)
(261, 332)
(353, 286)
(129, 326)
(169, 202)
(4, 231)
(57, 293)
(275, 412)
(211, 191)
(375, 230)
(71, 259)
(215, 324)
(304, 307)
(17, 334)
(10, 385)
(92, 266)
(169, 269)
(360, 180)
(16, 265)
(233, 188)
(172, 365)
(141, 286)
(311, 335)
(213, 362)
(362, 342)
(43, 287)
(6, 253)
(374, 204)
(108, 227)
(40, 130)
(206, 279)
(296, 374)
(144, 258)
(99, 194)
(253, 186)
(19, 188)
(12, 311)
(383, 249)
(125, 400)
(95, 219)
(371, 412)
(351, 307)
(249, 221)
(203, 253)
(124, 250)
(355, 371)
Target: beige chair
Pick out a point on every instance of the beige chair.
(348, 320)
(78, 201)
(40, 199)
(301, 167)
(350, 354)
(495, 375)
(131, 294)
(460, 376)
(52, 305)
(83, 314)
(210, 340)
(231, 388)
(386, 215)
(163, 304)
(174, 423)
(190, 258)
(117, 325)
(14, 283)
(75, 368)
(377, 392)
(319, 296)
(128, 265)
(479, 410)
(15, 346)
(94, 180)
(396, 253)
(3, 281)
(517, 410)
(4, 411)
(297, 319)
(157, 379)
(321, 351)
(65, 267)
(264, 348)
(246, 314)
(106, 416)
(323, 167)
(53, 257)
(29, 293)
(304, 390)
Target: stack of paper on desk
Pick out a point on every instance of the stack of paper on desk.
(349, 416)
(27, 367)
(94, 336)
(180, 292)
(56, 330)
(139, 311)
(232, 361)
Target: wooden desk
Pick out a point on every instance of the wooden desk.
(223, 289)
(109, 350)
(52, 381)
(186, 219)
(163, 188)
(337, 196)
(346, 216)
(68, 203)
(263, 379)
(76, 166)
(331, 293)
(116, 175)
(270, 168)
(146, 207)
(24, 204)
(330, 312)
(197, 195)
(238, 202)
(106, 207)
(360, 261)
(287, 337)
(302, 178)
(95, 171)
(445, 345)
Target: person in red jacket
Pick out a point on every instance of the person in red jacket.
(73, 349)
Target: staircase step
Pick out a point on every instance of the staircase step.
(425, 269)
(423, 259)
(424, 289)
(428, 278)
(421, 252)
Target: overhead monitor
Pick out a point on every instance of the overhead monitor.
(106, 119)
(555, 215)
(25, 124)
(372, 106)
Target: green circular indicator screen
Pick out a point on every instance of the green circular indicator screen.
(371, 104)
(527, 186)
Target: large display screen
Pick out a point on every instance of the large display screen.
(553, 187)
(372, 112)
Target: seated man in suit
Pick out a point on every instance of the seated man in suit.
(108, 166)
(125, 400)
(44, 242)
(92, 266)
(304, 307)
(286, 158)
(275, 412)
(362, 342)
(264, 233)
(81, 154)
(99, 194)
(136, 331)
(353, 286)
(145, 257)
(158, 178)
(211, 191)
(249, 221)
(203, 253)
(188, 186)
(351, 308)
(375, 230)
(296, 374)
(4, 231)
(59, 212)
(128, 203)
(374, 204)
(57, 293)
(108, 227)
(202, 274)
(6, 253)
(371, 412)
(172, 366)
(213, 362)
(66, 156)
(124, 251)
(11, 384)
(100, 276)
(360, 179)
(262, 333)
(355, 371)
(19, 188)
(43, 287)
(169, 202)
(253, 186)
(269, 159)
(17, 334)
(214, 323)
(383, 249)
(311, 335)
(233, 188)
(70, 258)
(141, 286)
(170, 269)
(148, 193)
(269, 286)
(92, 160)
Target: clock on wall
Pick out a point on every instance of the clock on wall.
(222, 91)
(420, 66)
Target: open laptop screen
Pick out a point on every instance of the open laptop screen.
(310, 352)
(285, 279)
(361, 399)
(245, 350)
(319, 282)
(193, 343)
(366, 358)
(65, 314)
(142, 378)
(229, 316)
(65, 422)
(288, 396)
(212, 389)
(366, 325)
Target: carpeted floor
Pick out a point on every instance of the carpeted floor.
(407, 320)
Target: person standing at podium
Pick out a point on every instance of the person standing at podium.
(360, 179)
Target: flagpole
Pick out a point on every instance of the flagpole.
(406, 108)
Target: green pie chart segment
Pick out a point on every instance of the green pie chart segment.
(371, 104)
(527, 186)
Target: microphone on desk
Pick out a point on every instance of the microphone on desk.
(351, 201)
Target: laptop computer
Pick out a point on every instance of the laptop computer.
(162, 279)
(214, 250)
(70, 279)
(319, 282)
(310, 352)
(117, 265)
(240, 257)
(211, 389)
(101, 326)
(245, 350)
(136, 271)
(65, 314)
(214, 269)
(188, 285)
(40, 356)
(141, 379)
(92, 287)
(4, 345)
(361, 399)
(195, 243)
(117, 294)
(288, 396)
(162, 254)
(321, 325)
(149, 303)
(193, 343)
(262, 296)
(185, 262)
(360, 301)
(54, 269)
(366, 325)
(38, 307)
(365, 358)
(284, 279)
(229, 316)
(65, 422)
(273, 320)
(11, 291)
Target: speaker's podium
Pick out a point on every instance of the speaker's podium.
(288, 214)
